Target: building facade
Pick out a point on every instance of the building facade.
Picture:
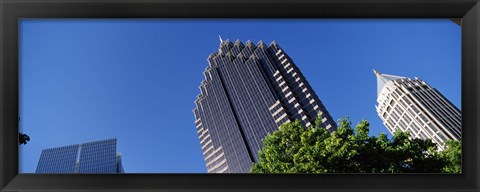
(92, 157)
(249, 91)
(413, 105)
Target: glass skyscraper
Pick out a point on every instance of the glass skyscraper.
(91, 157)
(413, 105)
(249, 91)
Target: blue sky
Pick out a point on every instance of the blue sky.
(136, 80)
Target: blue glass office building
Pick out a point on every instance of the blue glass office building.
(249, 91)
(91, 157)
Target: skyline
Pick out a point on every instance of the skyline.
(145, 59)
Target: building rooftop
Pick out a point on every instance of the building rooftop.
(383, 79)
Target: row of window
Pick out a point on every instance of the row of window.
(226, 137)
(433, 106)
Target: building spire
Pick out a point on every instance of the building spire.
(219, 37)
(383, 79)
(376, 72)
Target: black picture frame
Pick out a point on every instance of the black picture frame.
(12, 10)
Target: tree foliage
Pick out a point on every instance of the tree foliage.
(23, 138)
(296, 149)
(453, 155)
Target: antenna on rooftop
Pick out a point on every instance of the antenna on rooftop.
(221, 40)
(376, 72)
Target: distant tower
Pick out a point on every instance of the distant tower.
(91, 157)
(414, 106)
(249, 91)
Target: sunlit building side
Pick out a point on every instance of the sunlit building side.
(414, 106)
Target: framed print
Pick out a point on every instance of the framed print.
(239, 95)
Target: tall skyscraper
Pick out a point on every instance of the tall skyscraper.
(413, 105)
(91, 157)
(249, 91)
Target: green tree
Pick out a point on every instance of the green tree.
(453, 155)
(296, 149)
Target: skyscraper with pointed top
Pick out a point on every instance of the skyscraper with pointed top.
(249, 91)
(413, 105)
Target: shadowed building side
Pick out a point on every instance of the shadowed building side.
(90, 157)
